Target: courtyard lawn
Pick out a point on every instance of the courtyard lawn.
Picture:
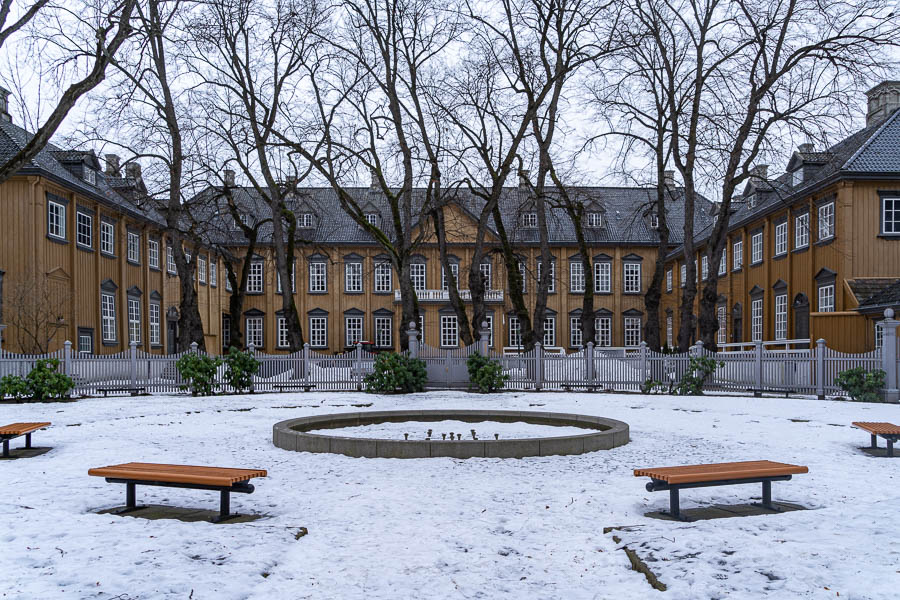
(447, 528)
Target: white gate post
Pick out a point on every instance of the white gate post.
(194, 347)
(133, 347)
(483, 335)
(758, 376)
(820, 369)
(643, 362)
(67, 358)
(306, 361)
(889, 356)
(359, 367)
(589, 364)
(538, 367)
(412, 336)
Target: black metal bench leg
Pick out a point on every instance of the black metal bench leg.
(874, 441)
(224, 507)
(28, 440)
(130, 495)
(674, 509)
(5, 448)
(890, 447)
(767, 495)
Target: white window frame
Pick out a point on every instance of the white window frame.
(515, 332)
(632, 278)
(595, 219)
(318, 332)
(254, 328)
(353, 330)
(155, 315)
(723, 261)
(281, 333)
(683, 274)
(549, 332)
(201, 268)
(449, 331)
(417, 276)
(153, 253)
(879, 335)
(108, 317)
(632, 332)
(56, 220)
(318, 277)
(890, 217)
(353, 277)
(602, 277)
(669, 278)
(826, 298)
(603, 331)
(107, 238)
(133, 247)
(372, 218)
(670, 331)
(552, 287)
(255, 278)
(293, 279)
(826, 221)
(485, 269)
(801, 231)
(134, 320)
(170, 260)
(213, 271)
(781, 239)
(756, 320)
(704, 267)
(84, 229)
(384, 332)
(490, 324)
(575, 333)
(383, 275)
(529, 220)
(781, 317)
(756, 248)
(454, 268)
(722, 317)
(576, 277)
(306, 220)
(523, 273)
(737, 251)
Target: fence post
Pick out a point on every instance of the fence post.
(757, 361)
(412, 336)
(194, 347)
(589, 366)
(643, 362)
(67, 358)
(359, 368)
(538, 367)
(820, 369)
(306, 360)
(483, 335)
(889, 356)
(133, 347)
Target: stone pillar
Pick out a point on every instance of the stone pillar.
(67, 358)
(194, 348)
(889, 356)
(820, 369)
(484, 334)
(412, 336)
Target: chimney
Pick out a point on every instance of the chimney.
(524, 179)
(229, 178)
(113, 168)
(758, 173)
(669, 179)
(884, 99)
(4, 105)
(806, 148)
(373, 178)
(133, 170)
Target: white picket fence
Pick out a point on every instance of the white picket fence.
(764, 367)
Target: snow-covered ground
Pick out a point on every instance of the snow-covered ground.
(447, 528)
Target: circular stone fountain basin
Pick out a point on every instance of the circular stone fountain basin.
(598, 434)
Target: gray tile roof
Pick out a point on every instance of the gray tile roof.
(888, 295)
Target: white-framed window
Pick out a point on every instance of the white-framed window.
(737, 255)
(56, 219)
(523, 273)
(281, 332)
(826, 221)
(826, 298)
(594, 219)
(603, 331)
(576, 277)
(353, 277)
(890, 216)
(879, 335)
(751, 200)
(723, 262)
(108, 238)
(449, 331)
(632, 331)
(384, 329)
(756, 248)
(254, 327)
(575, 337)
(654, 221)
(781, 245)
(670, 331)
(201, 269)
(602, 277)
(801, 231)
(549, 331)
(529, 219)
(134, 247)
(318, 280)
(86, 342)
(669, 280)
(170, 260)
(486, 275)
(490, 325)
(722, 333)
(89, 175)
(383, 276)
(353, 330)
(227, 282)
(372, 218)
(417, 276)
(696, 270)
(756, 320)
(305, 220)
(318, 332)
(153, 254)
(134, 320)
(84, 229)
(781, 317)
(422, 327)
(683, 274)
(108, 317)
(293, 279)
(454, 268)
(704, 267)
(213, 271)
(552, 287)
(515, 332)
(797, 176)
(632, 277)
(154, 324)
(245, 220)
(255, 278)
(226, 331)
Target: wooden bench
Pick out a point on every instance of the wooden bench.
(134, 391)
(289, 386)
(220, 479)
(14, 430)
(889, 431)
(693, 476)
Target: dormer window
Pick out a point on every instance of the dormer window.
(245, 219)
(751, 200)
(372, 218)
(89, 175)
(797, 176)
(529, 219)
(654, 221)
(305, 221)
(594, 219)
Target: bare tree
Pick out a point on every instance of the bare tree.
(35, 310)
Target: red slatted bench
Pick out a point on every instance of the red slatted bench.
(889, 431)
(693, 476)
(14, 430)
(223, 480)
